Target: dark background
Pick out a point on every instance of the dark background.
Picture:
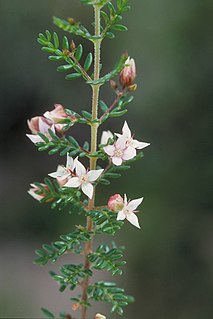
(170, 260)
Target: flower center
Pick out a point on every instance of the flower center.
(118, 153)
(84, 179)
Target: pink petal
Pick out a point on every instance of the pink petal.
(73, 182)
(34, 195)
(133, 204)
(34, 138)
(87, 189)
(94, 174)
(80, 169)
(117, 161)
(106, 135)
(129, 153)
(126, 131)
(133, 219)
(109, 149)
(121, 215)
(43, 125)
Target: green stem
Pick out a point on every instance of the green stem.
(93, 160)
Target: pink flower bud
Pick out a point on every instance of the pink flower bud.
(33, 192)
(39, 124)
(116, 203)
(128, 74)
(99, 316)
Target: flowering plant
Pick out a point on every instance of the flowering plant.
(74, 184)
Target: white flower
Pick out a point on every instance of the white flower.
(106, 135)
(63, 173)
(129, 210)
(130, 142)
(84, 179)
(119, 152)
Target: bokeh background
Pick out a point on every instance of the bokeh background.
(170, 261)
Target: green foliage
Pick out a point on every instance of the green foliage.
(47, 313)
(105, 221)
(71, 242)
(73, 27)
(50, 44)
(59, 197)
(105, 257)
(110, 293)
(95, 2)
(116, 70)
(113, 17)
(71, 275)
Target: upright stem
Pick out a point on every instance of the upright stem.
(93, 160)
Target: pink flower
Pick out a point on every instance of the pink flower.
(115, 202)
(39, 124)
(130, 142)
(33, 192)
(57, 115)
(128, 74)
(119, 152)
(99, 316)
(84, 179)
(128, 211)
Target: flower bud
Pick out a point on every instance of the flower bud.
(128, 74)
(116, 203)
(99, 316)
(37, 123)
(33, 192)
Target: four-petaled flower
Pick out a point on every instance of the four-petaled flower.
(57, 115)
(119, 152)
(128, 211)
(84, 179)
(130, 142)
(63, 174)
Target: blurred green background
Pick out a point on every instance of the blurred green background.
(170, 261)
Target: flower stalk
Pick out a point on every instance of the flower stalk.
(93, 160)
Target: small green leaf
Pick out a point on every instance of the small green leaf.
(78, 52)
(119, 27)
(73, 76)
(103, 106)
(55, 58)
(47, 313)
(56, 40)
(117, 114)
(87, 115)
(88, 61)
(64, 68)
(65, 43)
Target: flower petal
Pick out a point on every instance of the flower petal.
(61, 173)
(80, 169)
(117, 161)
(133, 204)
(121, 143)
(139, 145)
(43, 125)
(73, 182)
(109, 149)
(129, 153)
(94, 174)
(121, 215)
(126, 131)
(106, 135)
(133, 219)
(70, 162)
(34, 138)
(87, 189)
(34, 195)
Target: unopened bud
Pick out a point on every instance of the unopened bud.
(99, 316)
(128, 74)
(113, 85)
(71, 20)
(72, 46)
(75, 306)
(132, 88)
(116, 203)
